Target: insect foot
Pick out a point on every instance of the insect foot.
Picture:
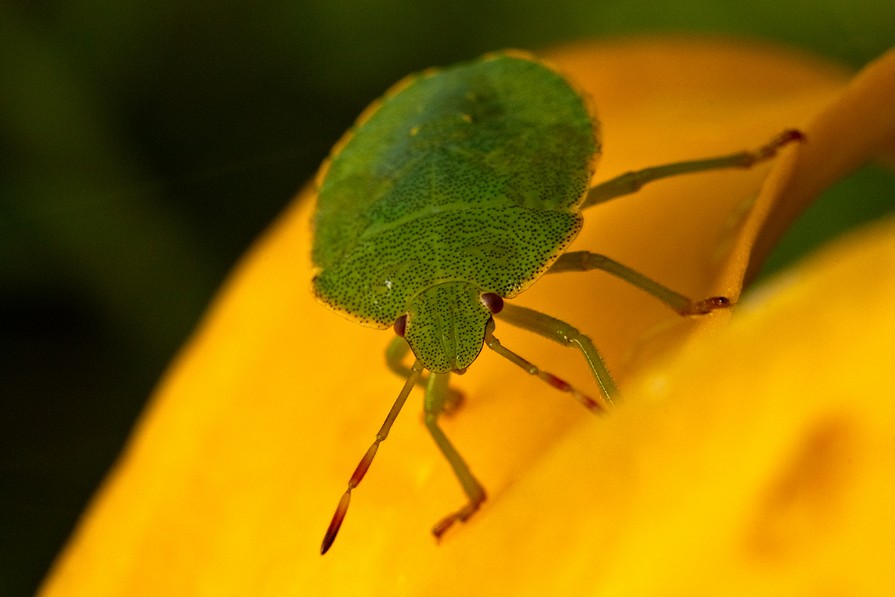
(461, 515)
(708, 305)
(769, 149)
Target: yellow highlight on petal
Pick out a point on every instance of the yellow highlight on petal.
(768, 449)
(746, 458)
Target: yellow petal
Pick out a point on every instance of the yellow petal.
(857, 128)
(760, 461)
(236, 467)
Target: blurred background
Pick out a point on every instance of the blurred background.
(145, 144)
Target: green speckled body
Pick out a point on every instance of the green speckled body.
(458, 182)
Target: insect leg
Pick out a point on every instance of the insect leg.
(631, 182)
(561, 332)
(394, 357)
(436, 397)
(364, 465)
(582, 261)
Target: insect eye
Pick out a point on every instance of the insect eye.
(401, 325)
(494, 302)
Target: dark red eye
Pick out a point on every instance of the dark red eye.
(494, 302)
(401, 325)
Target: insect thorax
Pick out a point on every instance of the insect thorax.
(500, 250)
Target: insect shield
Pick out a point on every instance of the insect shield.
(458, 189)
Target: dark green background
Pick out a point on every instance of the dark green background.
(145, 143)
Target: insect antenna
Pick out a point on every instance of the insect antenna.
(597, 405)
(364, 465)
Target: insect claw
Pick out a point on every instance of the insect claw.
(788, 136)
(461, 515)
(769, 150)
(708, 305)
(443, 525)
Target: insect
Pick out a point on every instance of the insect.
(459, 189)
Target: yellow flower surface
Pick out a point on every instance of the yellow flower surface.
(750, 456)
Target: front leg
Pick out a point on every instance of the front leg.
(565, 334)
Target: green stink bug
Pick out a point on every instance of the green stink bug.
(457, 190)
